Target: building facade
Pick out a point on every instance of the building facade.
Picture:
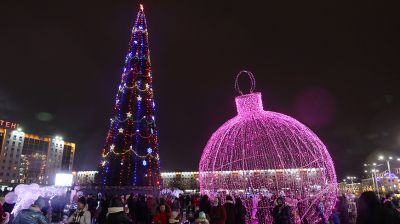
(182, 180)
(29, 158)
(84, 178)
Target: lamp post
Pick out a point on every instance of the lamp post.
(373, 175)
(352, 183)
(374, 171)
(388, 159)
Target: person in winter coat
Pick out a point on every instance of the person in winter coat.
(282, 214)
(81, 215)
(205, 204)
(91, 205)
(175, 204)
(102, 210)
(132, 205)
(370, 211)
(116, 213)
(32, 215)
(241, 212)
(162, 215)
(343, 209)
(142, 211)
(217, 213)
(230, 210)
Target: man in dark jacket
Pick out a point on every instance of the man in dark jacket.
(282, 214)
(91, 204)
(116, 213)
(132, 200)
(32, 215)
(230, 210)
(205, 204)
(141, 211)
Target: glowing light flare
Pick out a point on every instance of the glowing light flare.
(64, 179)
(261, 151)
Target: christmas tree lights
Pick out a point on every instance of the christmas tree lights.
(267, 153)
(130, 155)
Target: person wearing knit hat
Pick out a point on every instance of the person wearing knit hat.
(81, 215)
(202, 219)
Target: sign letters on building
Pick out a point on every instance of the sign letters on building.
(8, 124)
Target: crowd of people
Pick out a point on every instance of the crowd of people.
(193, 209)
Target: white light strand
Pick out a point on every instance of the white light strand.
(148, 155)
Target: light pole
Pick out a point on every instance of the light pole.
(372, 178)
(388, 159)
(374, 171)
(352, 183)
(373, 175)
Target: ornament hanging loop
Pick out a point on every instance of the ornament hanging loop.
(252, 82)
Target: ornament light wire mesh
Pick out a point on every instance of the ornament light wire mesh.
(265, 154)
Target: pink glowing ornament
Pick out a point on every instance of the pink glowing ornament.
(265, 154)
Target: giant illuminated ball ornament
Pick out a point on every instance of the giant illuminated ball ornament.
(260, 155)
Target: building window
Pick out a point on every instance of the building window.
(20, 138)
(14, 137)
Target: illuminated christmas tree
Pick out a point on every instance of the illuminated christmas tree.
(130, 154)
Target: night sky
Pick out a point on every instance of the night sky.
(332, 65)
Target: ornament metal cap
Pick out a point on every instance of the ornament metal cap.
(250, 102)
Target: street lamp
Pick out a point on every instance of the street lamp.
(373, 172)
(352, 183)
(387, 159)
(382, 158)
